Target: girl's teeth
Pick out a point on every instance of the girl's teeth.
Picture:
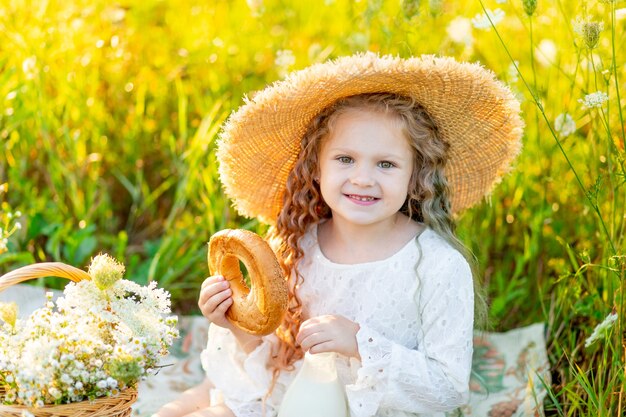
(356, 197)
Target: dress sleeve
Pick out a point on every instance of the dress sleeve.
(434, 376)
(242, 379)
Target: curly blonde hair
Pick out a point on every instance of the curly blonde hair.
(427, 200)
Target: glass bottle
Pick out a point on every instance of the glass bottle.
(316, 390)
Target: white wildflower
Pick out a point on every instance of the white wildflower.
(256, 6)
(8, 313)
(482, 21)
(55, 392)
(284, 60)
(601, 329)
(114, 14)
(592, 100)
(546, 52)
(29, 66)
(564, 125)
(588, 31)
(111, 382)
(460, 31)
(105, 271)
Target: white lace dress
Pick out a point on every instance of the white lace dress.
(415, 311)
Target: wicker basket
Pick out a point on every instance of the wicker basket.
(118, 406)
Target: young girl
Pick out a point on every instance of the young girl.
(359, 165)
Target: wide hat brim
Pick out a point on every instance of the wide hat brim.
(477, 115)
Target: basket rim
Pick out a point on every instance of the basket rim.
(40, 270)
(125, 398)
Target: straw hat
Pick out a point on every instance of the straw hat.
(475, 113)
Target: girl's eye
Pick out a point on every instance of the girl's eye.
(344, 159)
(386, 164)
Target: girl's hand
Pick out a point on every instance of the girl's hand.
(329, 334)
(215, 298)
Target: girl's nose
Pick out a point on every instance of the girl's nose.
(362, 177)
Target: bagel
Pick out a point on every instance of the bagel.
(259, 309)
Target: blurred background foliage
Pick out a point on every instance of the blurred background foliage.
(110, 110)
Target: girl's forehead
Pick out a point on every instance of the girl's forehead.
(364, 120)
(366, 117)
(367, 128)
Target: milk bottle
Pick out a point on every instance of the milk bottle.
(315, 391)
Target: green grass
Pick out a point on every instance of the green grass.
(110, 113)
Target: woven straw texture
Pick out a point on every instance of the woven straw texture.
(475, 113)
(118, 406)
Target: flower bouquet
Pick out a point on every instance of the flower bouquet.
(84, 353)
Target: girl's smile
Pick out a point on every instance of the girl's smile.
(365, 167)
(365, 200)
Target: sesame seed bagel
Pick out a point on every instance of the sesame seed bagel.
(260, 308)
